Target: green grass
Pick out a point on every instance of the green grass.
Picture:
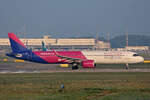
(134, 95)
(78, 86)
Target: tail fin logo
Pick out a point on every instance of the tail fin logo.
(16, 44)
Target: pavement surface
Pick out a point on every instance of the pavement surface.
(29, 67)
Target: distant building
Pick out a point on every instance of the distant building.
(74, 43)
(68, 43)
(103, 45)
(46, 37)
(134, 48)
(137, 48)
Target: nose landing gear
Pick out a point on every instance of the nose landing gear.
(127, 66)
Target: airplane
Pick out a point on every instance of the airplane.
(86, 59)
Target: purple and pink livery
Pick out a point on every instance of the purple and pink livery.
(74, 58)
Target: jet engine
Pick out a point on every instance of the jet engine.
(88, 64)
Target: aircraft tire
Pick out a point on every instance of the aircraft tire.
(75, 67)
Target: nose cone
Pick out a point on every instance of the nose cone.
(141, 59)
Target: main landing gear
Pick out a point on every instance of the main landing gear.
(127, 66)
(75, 66)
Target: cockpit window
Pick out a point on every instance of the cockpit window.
(135, 55)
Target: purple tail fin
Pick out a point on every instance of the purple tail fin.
(16, 44)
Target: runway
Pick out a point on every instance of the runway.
(29, 67)
(68, 71)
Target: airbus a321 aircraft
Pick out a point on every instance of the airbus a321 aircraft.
(87, 59)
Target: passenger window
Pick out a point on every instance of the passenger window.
(135, 55)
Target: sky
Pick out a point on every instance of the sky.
(74, 17)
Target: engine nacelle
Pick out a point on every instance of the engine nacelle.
(88, 64)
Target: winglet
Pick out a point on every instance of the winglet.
(44, 47)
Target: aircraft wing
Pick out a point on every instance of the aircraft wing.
(69, 59)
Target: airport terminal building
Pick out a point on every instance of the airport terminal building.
(60, 43)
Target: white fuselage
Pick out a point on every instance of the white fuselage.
(113, 57)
